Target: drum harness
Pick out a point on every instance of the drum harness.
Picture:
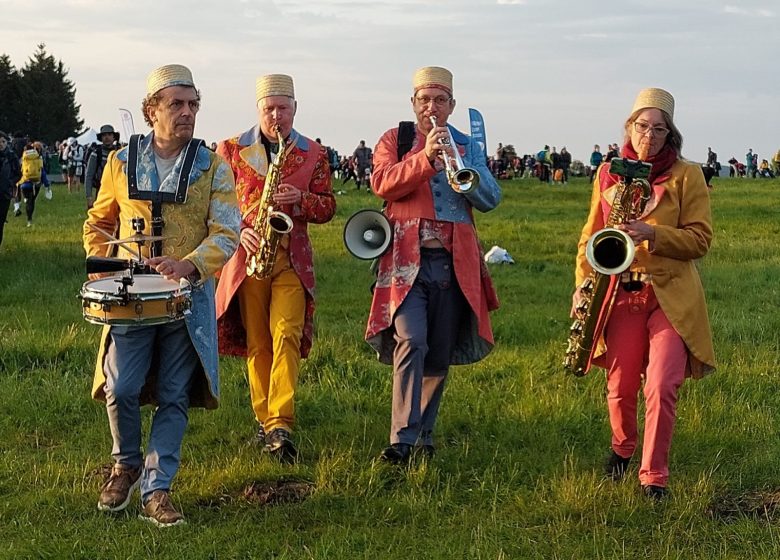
(157, 197)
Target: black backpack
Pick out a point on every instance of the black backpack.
(405, 138)
(97, 149)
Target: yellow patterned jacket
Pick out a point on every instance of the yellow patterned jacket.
(204, 230)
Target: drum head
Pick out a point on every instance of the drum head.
(142, 284)
(152, 284)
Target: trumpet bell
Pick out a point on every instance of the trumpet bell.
(610, 251)
(465, 180)
(367, 234)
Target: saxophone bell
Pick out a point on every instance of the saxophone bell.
(280, 222)
(462, 179)
(610, 251)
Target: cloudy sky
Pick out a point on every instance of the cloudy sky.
(541, 71)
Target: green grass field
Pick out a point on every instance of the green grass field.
(520, 443)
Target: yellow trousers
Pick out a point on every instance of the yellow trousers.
(273, 312)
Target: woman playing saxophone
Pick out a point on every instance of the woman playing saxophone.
(658, 327)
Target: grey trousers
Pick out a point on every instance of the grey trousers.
(426, 326)
(127, 362)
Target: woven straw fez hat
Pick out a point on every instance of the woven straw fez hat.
(167, 76)
(274, 84)
(432, 76)
(654, 98)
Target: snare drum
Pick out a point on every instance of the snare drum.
(149, 300)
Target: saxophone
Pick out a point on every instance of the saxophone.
(610, 252)
(270, 224)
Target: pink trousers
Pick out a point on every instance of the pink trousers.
(642, 342)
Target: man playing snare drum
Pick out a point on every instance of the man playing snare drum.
(188, 192)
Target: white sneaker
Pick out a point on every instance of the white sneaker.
(29, 224)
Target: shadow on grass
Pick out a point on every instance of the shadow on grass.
(760, 505)
(286, 490)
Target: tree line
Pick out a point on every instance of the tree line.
(38, 100)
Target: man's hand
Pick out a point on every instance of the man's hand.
(250, 240)
(171, 268)
(287, 194)
(435, 143)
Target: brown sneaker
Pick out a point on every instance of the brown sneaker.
(118, 489)
(159, 510)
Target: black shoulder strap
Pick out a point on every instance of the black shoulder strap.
(405, 138)
(132, 165)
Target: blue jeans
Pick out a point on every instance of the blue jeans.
(132, 354)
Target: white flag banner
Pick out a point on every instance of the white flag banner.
(127, 123)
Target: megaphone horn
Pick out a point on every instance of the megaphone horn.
(367, 234)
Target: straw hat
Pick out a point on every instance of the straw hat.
(167, 76)
(432, 76)
(654, 98)
(274, 84)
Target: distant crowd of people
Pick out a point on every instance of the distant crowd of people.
(547, 165)
(750, 168)
(551, 166)
(26, 168)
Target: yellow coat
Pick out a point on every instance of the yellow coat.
(203, 230)
(680, 214)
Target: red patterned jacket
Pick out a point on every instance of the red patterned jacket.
(415, 191)
(306, 167)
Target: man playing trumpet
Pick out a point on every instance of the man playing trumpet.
(270, 319)
(433, 292)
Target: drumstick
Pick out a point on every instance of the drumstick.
(112, 238)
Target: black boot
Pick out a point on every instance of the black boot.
(396, 454)
(654, 492)
(615, 466)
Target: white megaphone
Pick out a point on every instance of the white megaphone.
(367, 234)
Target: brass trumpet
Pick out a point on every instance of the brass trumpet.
(462, 179)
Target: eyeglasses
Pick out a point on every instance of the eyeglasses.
(439, 100)
(643, 128)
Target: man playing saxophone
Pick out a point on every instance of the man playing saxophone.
(658, 328)
(268, 317)
(433, 292)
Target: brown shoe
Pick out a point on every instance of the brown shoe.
(159, 510)
(118, 489)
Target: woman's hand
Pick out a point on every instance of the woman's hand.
(638, 231)
(576, 298)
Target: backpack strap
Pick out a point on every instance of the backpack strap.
(405, 138)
